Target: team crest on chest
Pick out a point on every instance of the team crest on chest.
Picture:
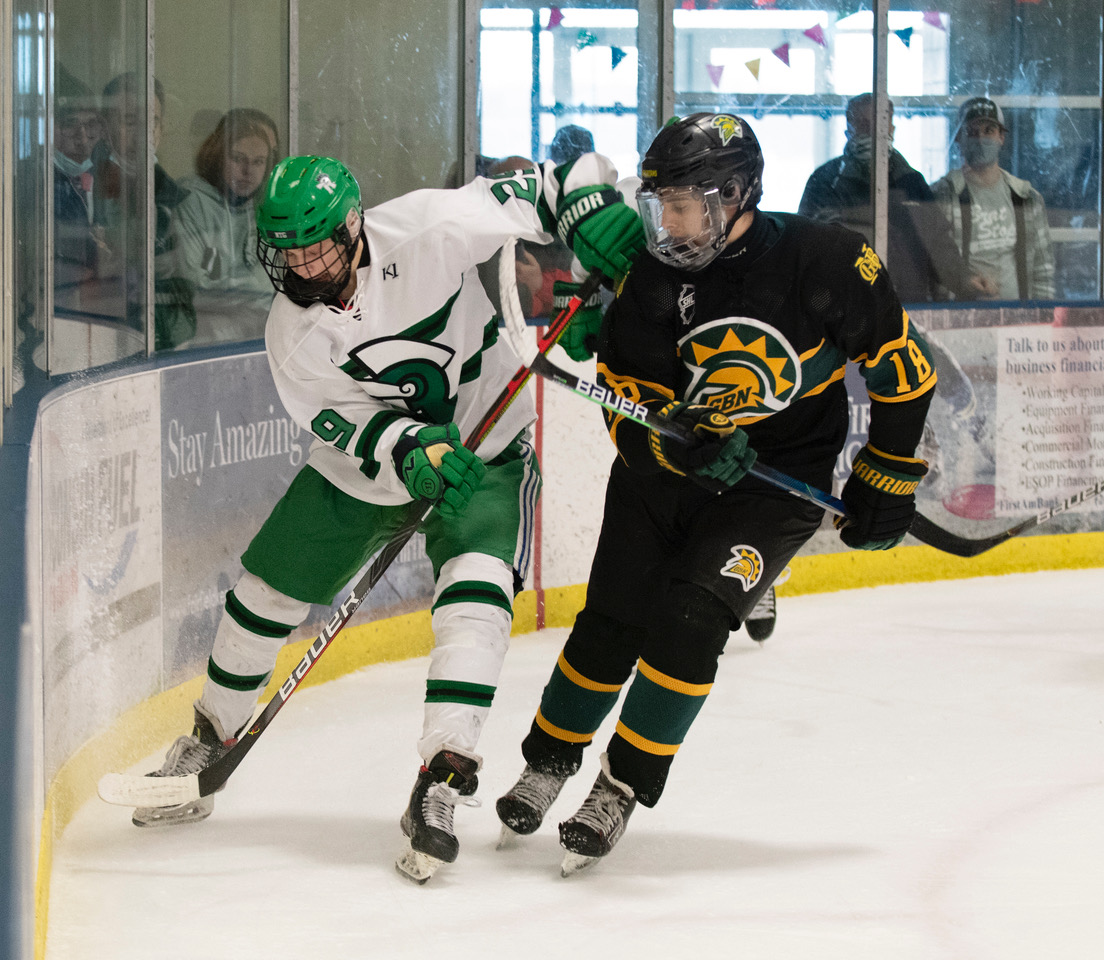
(400, 369)
(746, 566)
(740, 366)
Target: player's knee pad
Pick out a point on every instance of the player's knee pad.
(263, 609)
(603, 648)
(689, 633)
(256, 624)
(472, 613)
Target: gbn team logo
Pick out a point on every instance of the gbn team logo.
(741, 366)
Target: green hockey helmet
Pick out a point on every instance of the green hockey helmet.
(305, 201)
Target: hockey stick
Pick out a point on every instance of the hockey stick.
(935, 536)
(604, 397)
(147, 791)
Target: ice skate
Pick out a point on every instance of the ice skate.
(598, 824)
(760, 622)
(522, 808)
(188, 754)
(427, 822)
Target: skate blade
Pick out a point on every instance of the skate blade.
(416, 867)
(507, 838)
(574, 862)
(171, 816)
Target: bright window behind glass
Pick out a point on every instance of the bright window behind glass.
(579, 81)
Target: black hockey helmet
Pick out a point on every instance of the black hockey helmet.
(712, 157)
(708, 150)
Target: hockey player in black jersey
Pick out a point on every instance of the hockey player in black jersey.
(738, 324)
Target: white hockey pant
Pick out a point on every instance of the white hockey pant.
(470, 643)
(243, 659)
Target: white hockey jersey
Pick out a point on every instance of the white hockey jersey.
(419, 342)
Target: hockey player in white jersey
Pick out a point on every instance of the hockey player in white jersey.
(384, 345)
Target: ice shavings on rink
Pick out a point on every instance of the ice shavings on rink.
(911, 772)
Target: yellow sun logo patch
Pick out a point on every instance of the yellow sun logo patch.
(746, 566)
(740, 366)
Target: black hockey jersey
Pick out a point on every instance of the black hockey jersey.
(764, 334)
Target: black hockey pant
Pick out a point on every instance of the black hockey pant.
(676, 570)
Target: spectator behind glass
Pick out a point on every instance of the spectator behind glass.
(119, 211)
(77, 128)
(921, 257)
(217, 230)
(999, 221)
(570, 143)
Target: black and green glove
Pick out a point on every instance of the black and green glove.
(880, 497)
(717, 457)
(438, 468)
(604, 232)
(580, 339)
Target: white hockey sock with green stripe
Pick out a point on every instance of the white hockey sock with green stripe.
(255, 625)
(472, 613)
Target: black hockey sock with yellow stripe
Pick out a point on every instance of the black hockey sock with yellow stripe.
(571, 710)
(674, 676)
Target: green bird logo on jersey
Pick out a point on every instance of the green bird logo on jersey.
(740, 366)
(409, 371)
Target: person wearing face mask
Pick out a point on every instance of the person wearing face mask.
(217, 229)
(77, 129)
(925, 264)
(999, 221)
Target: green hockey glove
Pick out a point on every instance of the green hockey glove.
(880, 497)
(604, 232)
(719, 455)
(580, 339)
(438, 468)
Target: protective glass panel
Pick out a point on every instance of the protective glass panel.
(381, 89)
(790, 74)
(1018, 181)
(224, 128)
(556, 82)
(99, 153)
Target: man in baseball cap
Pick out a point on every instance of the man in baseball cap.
(999, 221)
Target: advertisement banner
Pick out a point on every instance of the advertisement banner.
(229, 451)
(101, 557)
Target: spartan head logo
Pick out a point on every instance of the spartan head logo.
(727, 127)
(743, 367)
(746, 566)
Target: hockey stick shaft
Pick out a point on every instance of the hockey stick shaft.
(164, 791)
(935, 536)
(638, 413)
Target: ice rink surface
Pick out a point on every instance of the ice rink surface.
(900, 773)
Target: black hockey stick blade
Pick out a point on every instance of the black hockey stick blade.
(935, 536)
(147, 791)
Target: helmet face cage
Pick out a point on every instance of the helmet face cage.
(309, 204)
(709, 151)
(683, 226)
(335, 254)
